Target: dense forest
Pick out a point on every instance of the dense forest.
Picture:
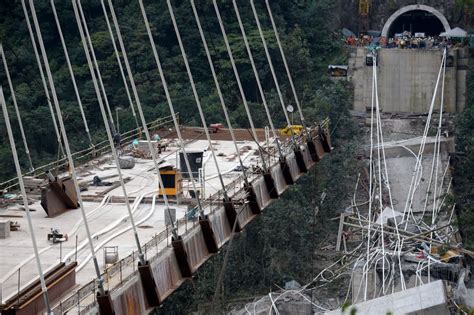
(306, 34)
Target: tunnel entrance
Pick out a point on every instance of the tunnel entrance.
(416, 18)
(417, 21)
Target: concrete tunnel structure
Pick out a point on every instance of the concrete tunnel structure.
(416, 18)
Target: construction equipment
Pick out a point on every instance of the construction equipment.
(287, 130)
(214, 128)
(58, 196)
(171, 181)
(56, 237)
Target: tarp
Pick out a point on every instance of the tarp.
(455, 32)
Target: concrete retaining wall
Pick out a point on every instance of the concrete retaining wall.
(407, 78)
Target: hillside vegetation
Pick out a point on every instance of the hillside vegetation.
(306, 33)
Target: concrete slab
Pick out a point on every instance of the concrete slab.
(427, 299)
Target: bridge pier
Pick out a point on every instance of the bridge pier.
(252, 199)
(270, 185)
(150, 289)
(286, 172)
(105, 304)
(208, 234)
(231, 215)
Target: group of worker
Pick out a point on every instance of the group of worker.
(403, 41)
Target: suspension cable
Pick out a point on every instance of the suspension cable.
(71, 73)
(380, 180)
(70, 159)
(112, 146)
(122, 73)
(15, 104)
(140, 112)
(239, 83)
(43, 79)
(437, 157)
(171, 107)
(219, 91)
(288, 73)
(96, 64)
(411, 192)
(25, 201)
(196, 96)
(272, 70)
(369, 216)
(257, 77)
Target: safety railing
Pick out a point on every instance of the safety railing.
(90, 153)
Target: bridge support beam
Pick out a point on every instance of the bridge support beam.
(231, 215)
(286, 172)
(300, 160)
(252, 199)
(312, 150)
(149, 285)
(208, 234)
(270, 184)
(326, 141)
(182, 258)
(105, 304)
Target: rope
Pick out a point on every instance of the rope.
(43, 79)
(237, 77)
(140, 111)
(15, 104)
(219, 92)
(272, 70)
(196, 96)
(77, 6)
(71, 73)
(170, 105)
(25, 201)
(283, 57)
(257, 77)
(124, 79)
